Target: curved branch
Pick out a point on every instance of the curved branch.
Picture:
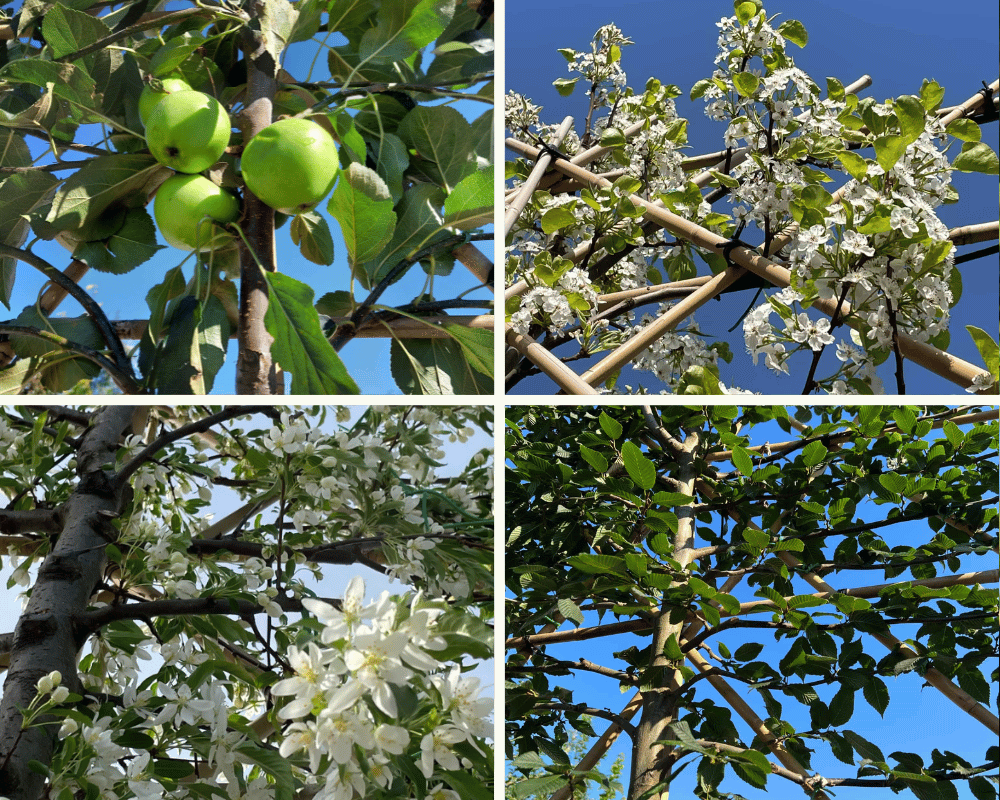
(90, 306)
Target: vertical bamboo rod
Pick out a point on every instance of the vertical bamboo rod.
(541, 166)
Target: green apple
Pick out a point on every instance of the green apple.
(150, 97)
(291, 165)
(188, 131)
(182, 204)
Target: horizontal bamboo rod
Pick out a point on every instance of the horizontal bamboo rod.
(980, 232)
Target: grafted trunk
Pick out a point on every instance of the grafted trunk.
(652, 762)
(45, 638)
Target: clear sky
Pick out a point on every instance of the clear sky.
(897, 42)
(918, 719)
(124, 296)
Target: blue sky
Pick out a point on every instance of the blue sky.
(123, 296)
(897, 42)
(917, 719)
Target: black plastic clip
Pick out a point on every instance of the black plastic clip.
(987, 111)
(545, 147)
(734, 241)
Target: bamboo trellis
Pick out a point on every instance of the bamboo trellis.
(573, 176)
(789, 767)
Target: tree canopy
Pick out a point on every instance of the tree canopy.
(400, 87)
(196, 620)
(831, 257)
(847, 558)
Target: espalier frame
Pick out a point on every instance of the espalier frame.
(694, 465)
(697, 291)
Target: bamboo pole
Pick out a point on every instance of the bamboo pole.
(474, 261)
(947, 366)
(981, 232)
(541, 167)
(564, 377)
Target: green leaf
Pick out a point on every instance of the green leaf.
(470, 204)
(953, 433)
(813, 453)
(977, 157)
(441, 135)
(748, 651)
(476, 345)
(311, 234)
(671, 499)
(964, 129)
(565, 86)
(362, 205)
(611, 427)
(640, 469)
(982, 789)
(435, 366)
(904, 418)
(988, 348)
(757, 539)
(742, 461)
(195, 348)
(21, 193)
(556, 219)
(910, 113)
(889, 149)
(877, 694)
(931, 94)
(595, 459)
(134, 243)
(746, 83)
(794, 31)
(275, 765)
(63, 372)
(419, 221)
(863, 747)
(570, 610)
(597, 564)
(855, 165)
(68, 30)
(841, 707)
(700, 87)
(973, 682)
(745, 12)
(299, 344)
(892, 481)
(672, 650)
(404, 27)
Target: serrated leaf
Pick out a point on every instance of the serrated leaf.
(742, 461)
(443, 136)
(312, 236)
(363, 206)
(640, 469)
(570, 610)
(299, 344)
(402, 28)
(813, 453)
(595, 459)
(863, 747)
(470, 204)
(435, 367)
(877, 694)
(68, 30)
(611, 427)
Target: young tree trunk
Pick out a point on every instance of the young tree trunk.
(652, 762)
(45, 638)
(255, 372)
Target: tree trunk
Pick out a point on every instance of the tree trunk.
(45, 638)
(652, 762)
(255, 372)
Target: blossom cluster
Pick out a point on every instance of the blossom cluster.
(876, 250)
